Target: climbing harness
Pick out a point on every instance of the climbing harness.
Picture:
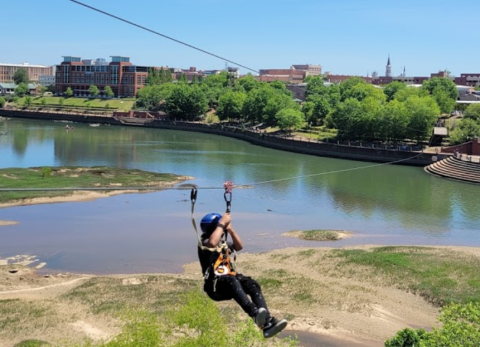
(225, 263)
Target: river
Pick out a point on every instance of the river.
(152, 232)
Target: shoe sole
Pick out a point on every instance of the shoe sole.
(261, 318)
(275, 329)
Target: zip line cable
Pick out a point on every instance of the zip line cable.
(162, 35)
(190, 186)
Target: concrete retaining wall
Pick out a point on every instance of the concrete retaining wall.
(321, 149)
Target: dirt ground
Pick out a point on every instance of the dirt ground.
(326, 303)
(336, 309)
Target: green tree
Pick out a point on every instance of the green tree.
(347, 118)
(43, 102)
(391, 89)
(393, 121)
(444, 91)
(51, 88)
(186, 102)
(472, 112)
(61, 101)
(217, 81)
(21, 89)
(93, 90)
(168, 76)
(151, 97)
(422, 112)
(213, 94)
(441, 83)
(290, 119)
(20, 76)
(444, 102)
(347, 85)
(182, 78)
(163, 76)
(403, 94)
(2, 102)
(317, 109)
(276, 102)
(465, 131)
(280, 87)
(230, 105)
(362, 91)
(315, 87)
(108, 92)
(248, 82)
(153, 77)
(69, 92)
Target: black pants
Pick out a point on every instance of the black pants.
(238, 288)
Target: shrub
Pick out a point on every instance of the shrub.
(46, 172)
(461, 328)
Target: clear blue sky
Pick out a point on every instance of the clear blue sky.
(344, 36)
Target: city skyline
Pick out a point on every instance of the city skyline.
(343, 37)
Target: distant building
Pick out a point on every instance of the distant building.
(46, 80)
(284, 75)
(120, 74)
(468, 79)
(34, 71)
(9, 88)
(340, 78)
(312, 70)
(388, 68)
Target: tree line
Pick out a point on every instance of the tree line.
(358, 110)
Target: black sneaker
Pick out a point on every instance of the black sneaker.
(273, 327)
(261, 317)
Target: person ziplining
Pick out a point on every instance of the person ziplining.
(222, 281)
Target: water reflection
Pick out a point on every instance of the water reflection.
(383, 204)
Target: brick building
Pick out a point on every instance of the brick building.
(340, 78)
(284, 75)
(120, 74)
(34, 71)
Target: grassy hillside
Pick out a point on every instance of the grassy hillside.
(113, 104)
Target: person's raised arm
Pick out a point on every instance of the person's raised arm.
(237, 241)
(222, 226)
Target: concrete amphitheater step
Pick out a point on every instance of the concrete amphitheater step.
(455, 168)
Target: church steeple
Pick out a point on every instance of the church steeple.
(388, 70)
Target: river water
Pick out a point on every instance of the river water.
(152, 232)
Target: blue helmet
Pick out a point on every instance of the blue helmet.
(209, 222)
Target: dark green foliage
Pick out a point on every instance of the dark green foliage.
(461, 328)
(441, 278)
(406, 338)
(32, 343)
(20, 76)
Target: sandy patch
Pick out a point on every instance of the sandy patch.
(318, 296)
(339, 234)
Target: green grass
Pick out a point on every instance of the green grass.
(318, 133)
(319, 235)
(68, 177)
(181, 315)
(32, 343)
(125, 104)
(21, 316)
(441, 277)
(113, 296)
